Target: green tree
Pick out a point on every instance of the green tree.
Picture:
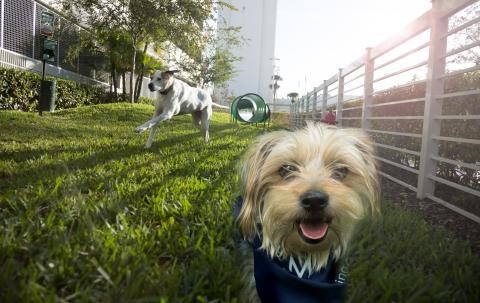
(214, 65)
(147, 65)
(112, 45)
(144, 22)
(468, 36)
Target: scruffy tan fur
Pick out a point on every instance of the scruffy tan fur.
(318, 152)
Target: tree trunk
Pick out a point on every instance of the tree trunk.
(111, 83)
(124, 88)
(138, 85)
(132, 72)
(113, 73)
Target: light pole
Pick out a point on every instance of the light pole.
(293, 96)
(274, 86)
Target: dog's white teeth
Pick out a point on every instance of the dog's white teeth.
(314, 231)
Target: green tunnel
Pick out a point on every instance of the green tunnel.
(250, 108)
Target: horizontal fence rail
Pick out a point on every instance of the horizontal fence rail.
(417, 94)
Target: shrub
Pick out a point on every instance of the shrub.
(144, 100)
(19, 90)
(111, 97)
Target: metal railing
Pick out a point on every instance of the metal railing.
(20, 45)
(20, 42)
(420, 61)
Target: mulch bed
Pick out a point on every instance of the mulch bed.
(433, 213)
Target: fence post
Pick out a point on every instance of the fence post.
(33, 29)
(433, 106)
(315, 100)
(341, 80)
(307, 110)
(79, 29)
(367, 89)
(324, 98)
(290, 116)
(2, 21)
(59, 39)
(302, 110)
(297, 106)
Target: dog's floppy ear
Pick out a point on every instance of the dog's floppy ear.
(251, 185)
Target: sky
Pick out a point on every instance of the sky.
(315, 38)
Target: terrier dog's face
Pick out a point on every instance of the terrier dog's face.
(161, 80)
(305, 190)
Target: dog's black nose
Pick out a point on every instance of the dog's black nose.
(314, 200)
(150, 86)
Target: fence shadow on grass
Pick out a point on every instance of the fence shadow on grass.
(104, 154)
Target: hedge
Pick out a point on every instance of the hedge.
(19, 90)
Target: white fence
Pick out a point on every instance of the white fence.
(407, 80)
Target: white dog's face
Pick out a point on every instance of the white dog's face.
(161, 81)
(304, 191)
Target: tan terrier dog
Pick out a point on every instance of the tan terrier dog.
(302, 194)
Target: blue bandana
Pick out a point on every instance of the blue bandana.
(289, 281)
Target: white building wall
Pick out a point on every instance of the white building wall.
(257, 19)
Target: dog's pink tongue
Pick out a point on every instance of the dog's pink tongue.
(314, 231)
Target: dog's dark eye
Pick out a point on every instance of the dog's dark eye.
(340, 173)
(286, 170)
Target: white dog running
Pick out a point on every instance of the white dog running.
(178, 98)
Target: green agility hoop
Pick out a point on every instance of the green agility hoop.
(250, 108)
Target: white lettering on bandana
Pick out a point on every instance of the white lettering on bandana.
(293, 268)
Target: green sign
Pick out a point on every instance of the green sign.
(47, 21)
(49, 47)
(49, 44)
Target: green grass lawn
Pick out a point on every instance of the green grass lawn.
(88, 215)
